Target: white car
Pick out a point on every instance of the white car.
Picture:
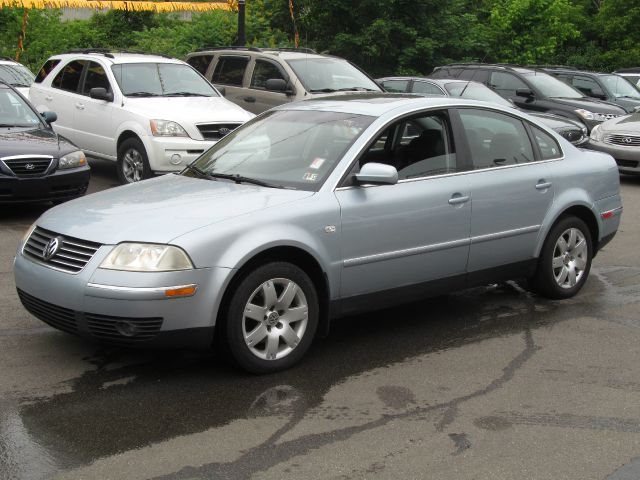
(151, 114)
(16, 75)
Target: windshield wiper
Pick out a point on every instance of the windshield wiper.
(242, 179)
(15, 125)
(141, 94)
(355, 89)
(185, 94)
(199, 172)
(19, 85)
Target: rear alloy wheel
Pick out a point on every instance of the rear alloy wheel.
(272, 318)
(565, 259)
(133, 165)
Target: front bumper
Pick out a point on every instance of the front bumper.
(59, 186)
(171, 154)
(123, 307)
(627, 158)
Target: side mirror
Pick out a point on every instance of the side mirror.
(100, 93)
(222, 90)
(636, 109)
(378, 174)
(525, 92)
(278, 85)
(49, 117)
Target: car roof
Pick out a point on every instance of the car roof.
(284, 53)
(378, 104)
(498, 66)
(117, 57)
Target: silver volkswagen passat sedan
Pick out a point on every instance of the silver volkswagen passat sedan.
(315, 210)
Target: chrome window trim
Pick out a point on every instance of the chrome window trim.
(443, 175)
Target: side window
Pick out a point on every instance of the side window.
(549, 148)
(395, 86)
(45, 70)
(264, 71)
(230, 70)
(96, 77)
(587, 86)
(426, 87)
(475, 74)
(69, 77)
(495, 139)
(418, 147)
(200, 62)
(506, 83)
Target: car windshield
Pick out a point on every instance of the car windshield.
(16, 75)
(620, 87)
(551, 87)
(287, 149)
(331, 75)
(161, 79)
(475, 91)
(14, 111)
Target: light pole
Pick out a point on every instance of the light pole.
(241, 36)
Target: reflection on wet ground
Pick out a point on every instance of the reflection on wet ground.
(130, 399)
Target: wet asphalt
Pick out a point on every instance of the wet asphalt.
(490, 383)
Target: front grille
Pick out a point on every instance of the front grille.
(606, 116)
(72, 253)
(122, 329)
(58, 317)
(623, 140)
(627, 163)
(28, 167)
(215, 131)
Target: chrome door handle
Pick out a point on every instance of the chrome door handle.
(250, 99)
(458, 199)
(542, 185)
(80, 106)
(48, 99)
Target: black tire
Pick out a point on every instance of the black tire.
(545, 282)
(130, 150)
(235, 321)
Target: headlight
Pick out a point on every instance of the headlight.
(72, 160)
(167, 128)
(586, 114)
(596, 134)
(147, 257)
(28, 233)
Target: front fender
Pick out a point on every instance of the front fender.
(135, 127)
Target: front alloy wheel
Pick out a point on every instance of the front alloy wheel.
(132, 166)
(271, 318)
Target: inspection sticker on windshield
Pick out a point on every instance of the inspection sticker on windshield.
(317, 163)
(310, 177)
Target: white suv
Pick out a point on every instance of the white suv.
(16, 75)
(151, 114)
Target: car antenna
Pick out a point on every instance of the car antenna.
(472, 76)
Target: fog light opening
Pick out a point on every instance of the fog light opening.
(176, 159)
(126, 329)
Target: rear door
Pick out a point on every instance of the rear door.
(62, 97)
(229, 72)
(511, 187)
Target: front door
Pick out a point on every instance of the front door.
(414, 231)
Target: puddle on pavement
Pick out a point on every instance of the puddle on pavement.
(133, 399)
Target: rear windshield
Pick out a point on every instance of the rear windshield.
(16, 75)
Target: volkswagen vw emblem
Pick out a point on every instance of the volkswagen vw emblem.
(29, 166)
(224, 131)
(627, 139)
(51, 248)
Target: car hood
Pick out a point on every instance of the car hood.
(555, 121)
(33, 142)
(189, 110)
(628, 103)
(596, 106)
(626, 124)
(160, 209)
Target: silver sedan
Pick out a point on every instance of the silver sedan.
(316, 210)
